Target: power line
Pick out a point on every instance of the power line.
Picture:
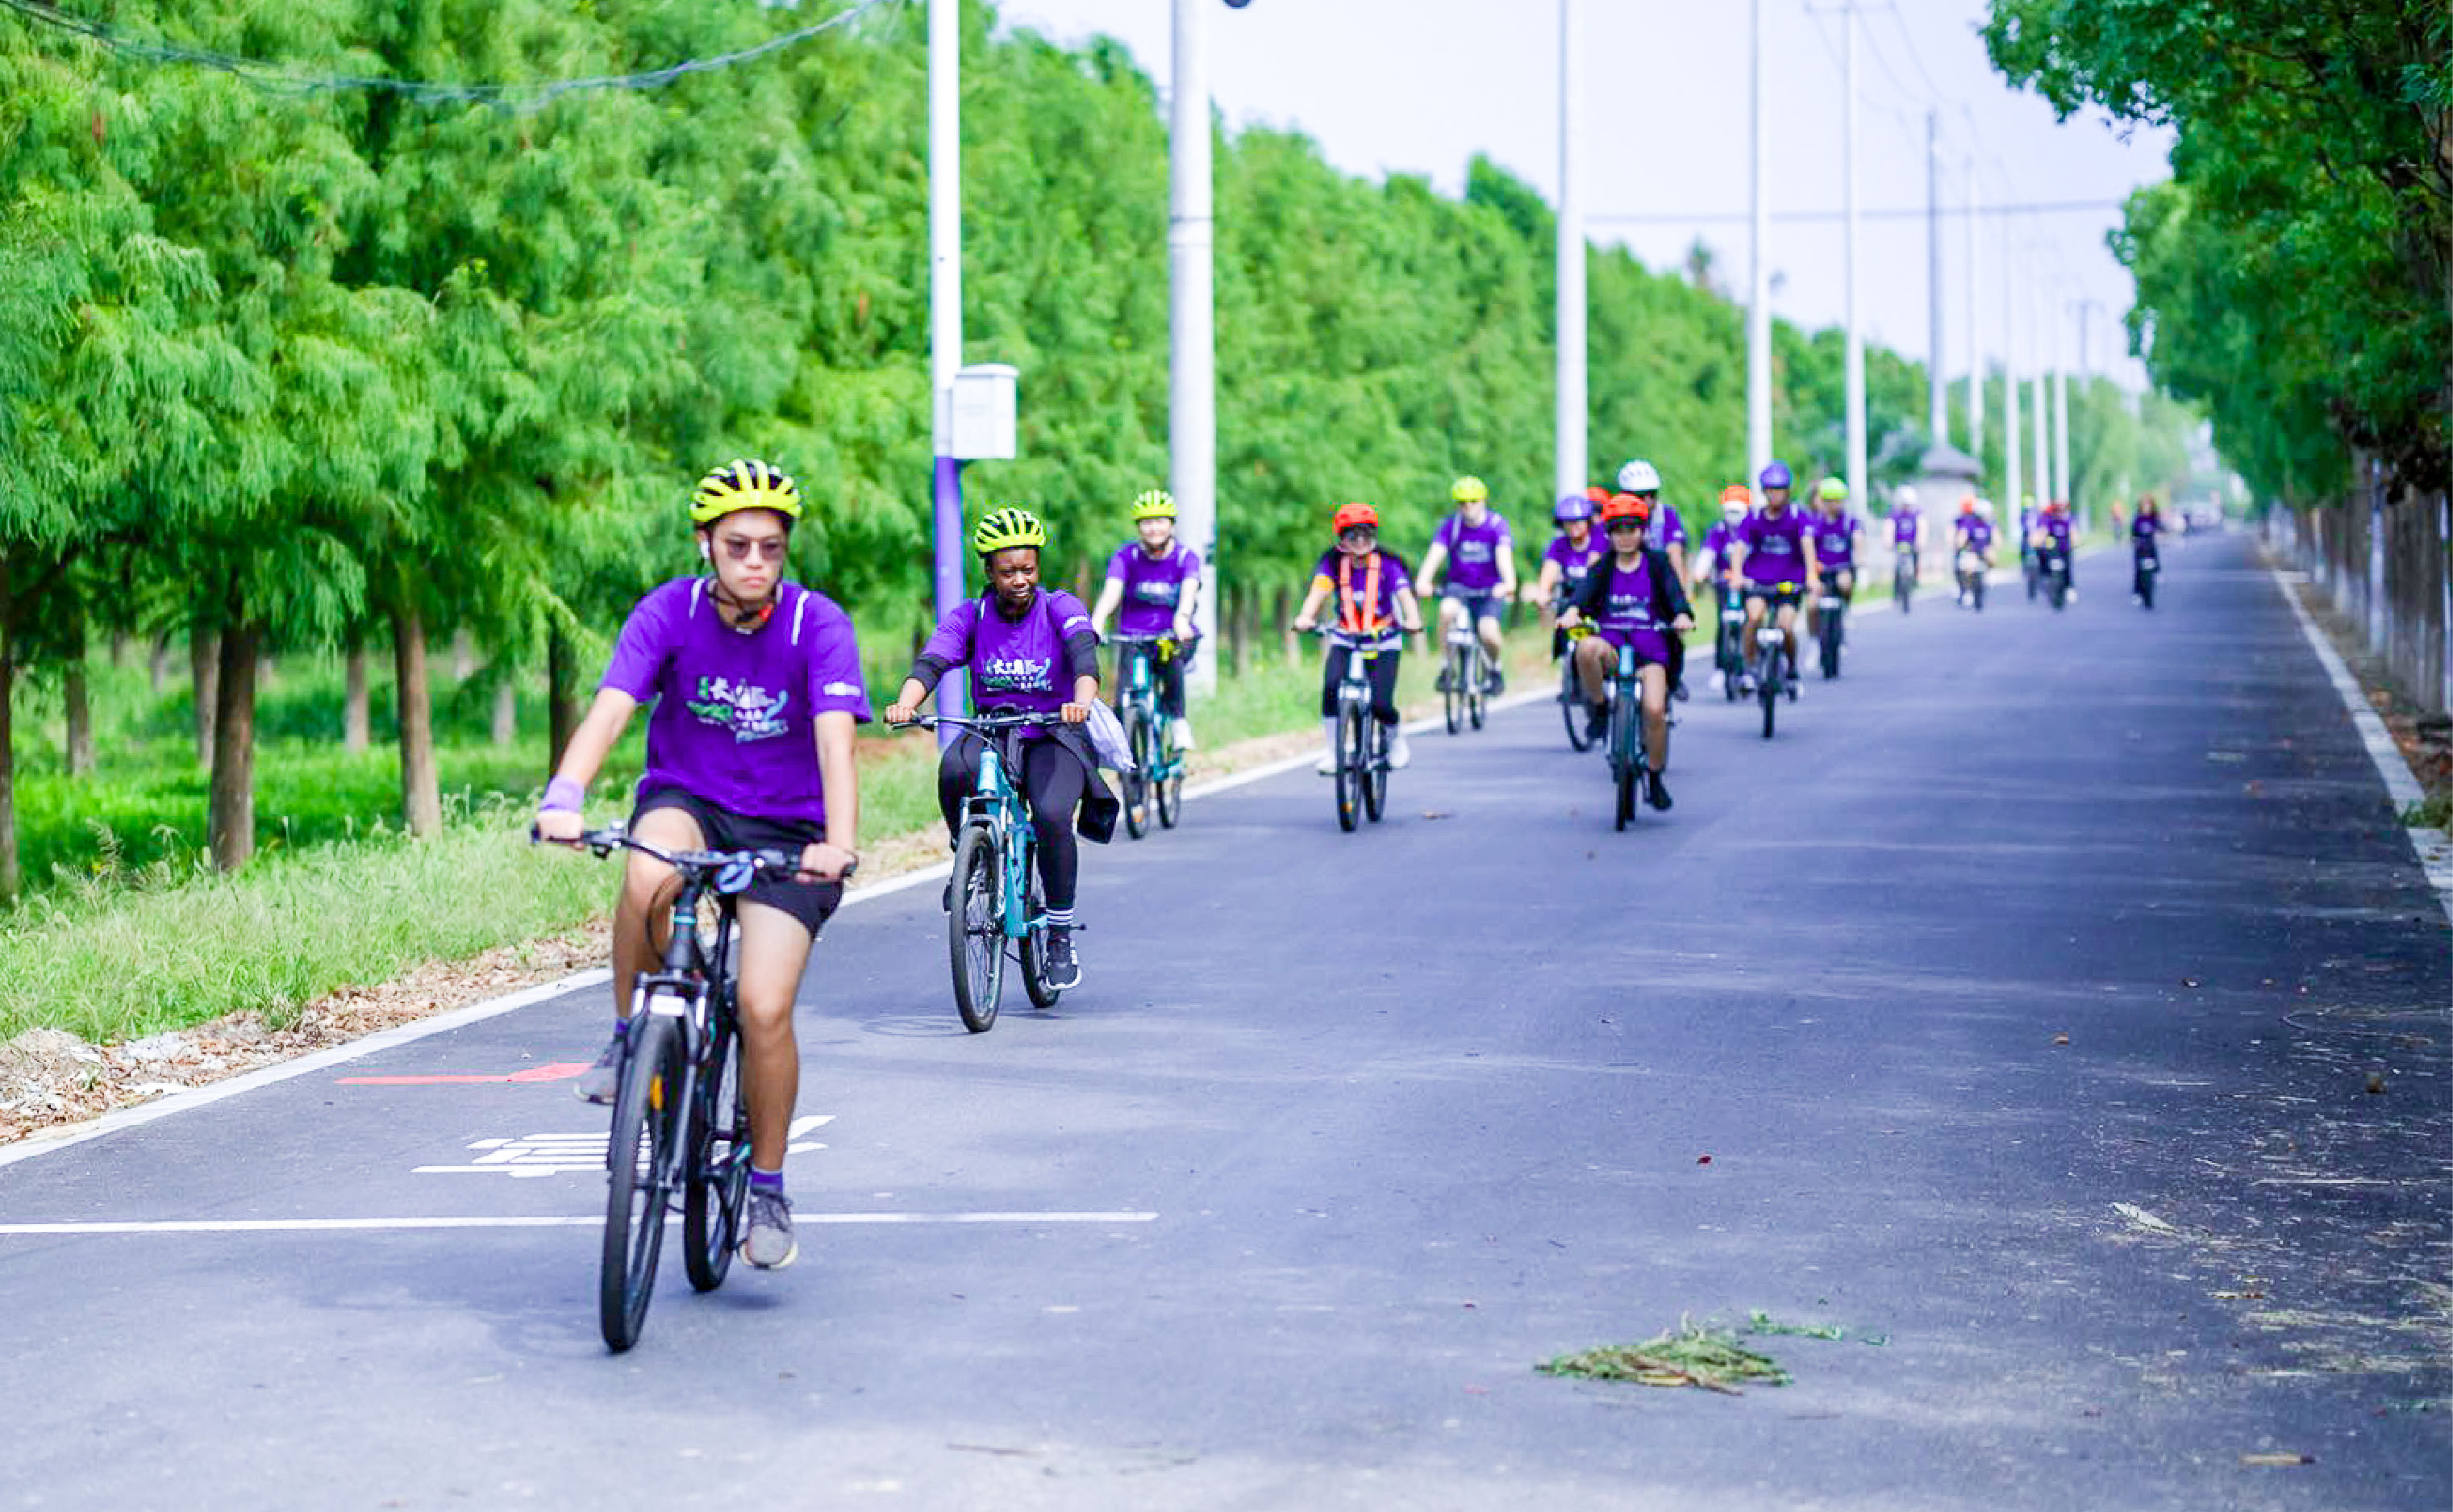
(2032, 208)
(520, 97)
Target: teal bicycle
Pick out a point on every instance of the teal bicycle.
(995, 907)
(1156, 781)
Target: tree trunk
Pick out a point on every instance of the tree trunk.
(118, 649)
(229, 822)
(421, 799)
(353, 700)
(12, 880)
(203, 677)
(80, 709)
(1239, 629)
(1282, 614)
(463, 655)
(560, 698)
(507, 706)
(157, 666)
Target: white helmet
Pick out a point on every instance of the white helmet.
(1639, 477)
(1984, 509)
(1905, 498)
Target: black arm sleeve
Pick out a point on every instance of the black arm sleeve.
(1593, 591)
(928, 670)
(1081, 657)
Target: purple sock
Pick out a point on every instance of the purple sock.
(765, 1181)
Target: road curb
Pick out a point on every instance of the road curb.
(2433, 847)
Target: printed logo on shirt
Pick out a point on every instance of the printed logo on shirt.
(1156, 590)
(841, 690)
(1018, 674)
(750, 712)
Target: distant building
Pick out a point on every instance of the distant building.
(1944, 476)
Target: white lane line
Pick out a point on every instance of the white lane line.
(277, 1226)
(2433, 847)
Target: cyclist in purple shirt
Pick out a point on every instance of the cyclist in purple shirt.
(1476, 543)
(2143, 549)
(2055, 524)
(1972, 544)
(1028, 649)
(1633, 600)
(1836, 533)
(1907, 529)
(1667, 532)
(757, 684)
(1374, 595)
(1773, 561)
(1156, 581)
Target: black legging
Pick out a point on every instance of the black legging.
(1052, 779)
(1167, 677)
(1383, 681)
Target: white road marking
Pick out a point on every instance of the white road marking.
(274, 1225)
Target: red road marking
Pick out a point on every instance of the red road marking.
(557, 1071)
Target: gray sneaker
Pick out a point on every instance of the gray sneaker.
(600, 1082)
(769, 1245)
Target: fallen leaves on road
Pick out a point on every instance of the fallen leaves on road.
(1687, 1355)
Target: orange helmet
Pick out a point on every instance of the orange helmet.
(1626, 506)
(1350, 515)
(1738, 493)
(1968, 504)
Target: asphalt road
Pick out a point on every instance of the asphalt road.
(2014, 1010)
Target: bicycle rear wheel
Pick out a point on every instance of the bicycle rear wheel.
(1353, 755)
(1137, 783)
(1830, 645)
(1571, 705)
(1034, 947)
(719, 1161)
(639, 1161)
(1452, 697)
(1477, 695)
(1903, 588)
(975, 929)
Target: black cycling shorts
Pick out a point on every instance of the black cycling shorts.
(812, 902)
(1776, 597)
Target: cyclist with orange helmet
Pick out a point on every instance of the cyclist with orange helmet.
(757, 685)
(1375, 604)
(1633, 600)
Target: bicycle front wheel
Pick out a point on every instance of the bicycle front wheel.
(1831, 647)
(1454, 670)
(1767, 689)
(1375, 768)
(1353, 759)
(719, 1161)
(975, 929)
(639, 1163)
(1137, 781)
(1624, 733)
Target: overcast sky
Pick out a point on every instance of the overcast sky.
(1419, 86)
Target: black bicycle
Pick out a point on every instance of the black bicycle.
(1729, 642)
(1831, 628)
(1772, 671)
(2053, 568)
(1904, 576)
(2147, 564)
(1362, 740)
(681, 1116)
(1629, 764)
(1571, 697)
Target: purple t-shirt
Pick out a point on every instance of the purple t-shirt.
(1977, 532)
(734, 722)
(1717, 539)
(1626, 613)
(1474, 551)
(1667, 528)
(1904, 527)
(2143, 529)
(1575, 561)
(2057, 527)
(1835, 540)
(1775, 548)
(1153, 587)
(1372, 611)
(1014, 663)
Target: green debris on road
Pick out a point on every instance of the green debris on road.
(1688, 1355)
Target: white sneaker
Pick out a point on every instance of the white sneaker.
(2070, 594)
(1327, 766)
(1181, 734)
(1399, 752)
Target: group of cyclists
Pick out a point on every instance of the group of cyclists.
(756, 687)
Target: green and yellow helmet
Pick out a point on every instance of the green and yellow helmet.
(1154, 504)
(1005, 527)
(1469, 489)
(744, 483)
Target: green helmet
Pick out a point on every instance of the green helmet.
(1005, 527)
(1830, 490)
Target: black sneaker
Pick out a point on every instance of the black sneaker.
(1062, 968)
(1596, 720)
(1495, 684)
(1680, 691)
(1656, 792)
(600, 1081)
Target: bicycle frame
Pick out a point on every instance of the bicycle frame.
(1136, 657)
(996, 802)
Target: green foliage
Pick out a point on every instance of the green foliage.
(2296, 275)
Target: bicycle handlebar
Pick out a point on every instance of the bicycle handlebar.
(986, 720)
(713, 863)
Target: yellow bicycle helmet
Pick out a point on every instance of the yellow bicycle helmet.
(744, 483)
(1005, 527)
(1154, 504)
(1468, 490)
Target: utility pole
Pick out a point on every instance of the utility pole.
(1975, 347)
(1758, 305)
(2062, 488)
(1937, 414)
(1192, 379)
(1856, 340)
(2013, 477)
(946, 313)
(1572, 455)
(2036, 393)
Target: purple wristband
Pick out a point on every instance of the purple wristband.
(562, 795)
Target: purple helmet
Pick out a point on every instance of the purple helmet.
(1776, 476)
(1571, 506)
